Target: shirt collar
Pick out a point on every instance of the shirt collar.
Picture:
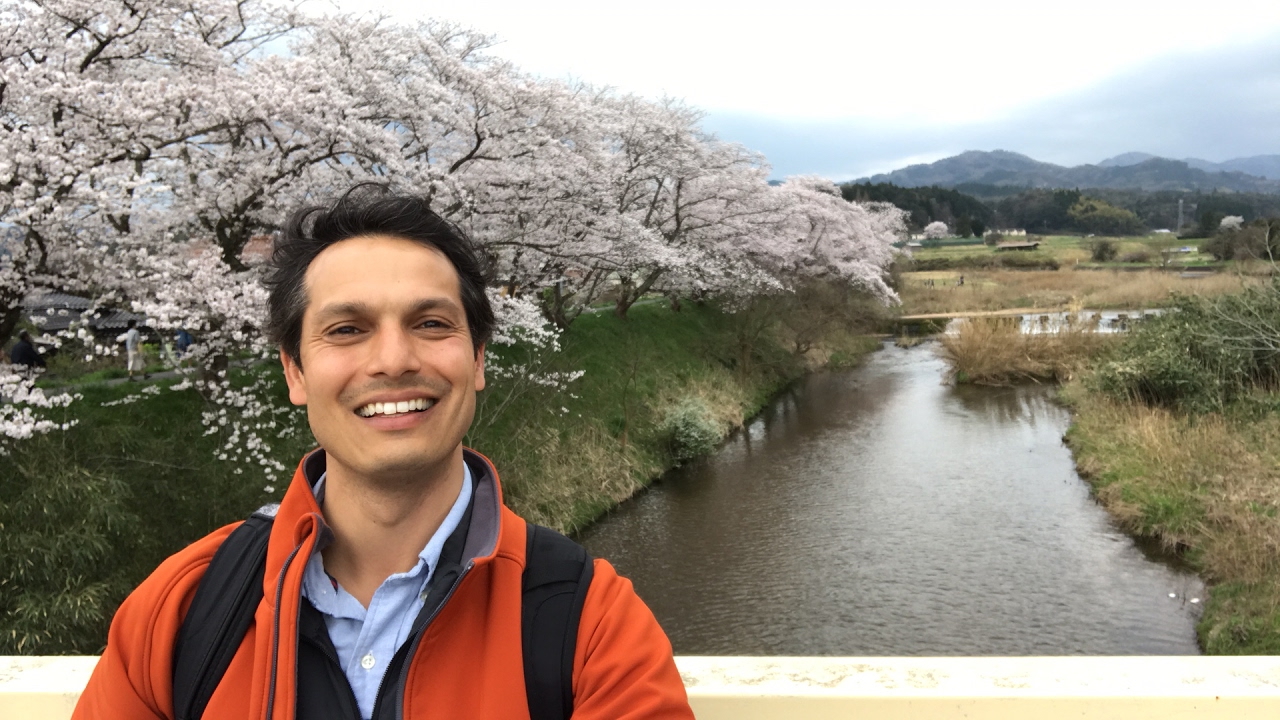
(429, 557)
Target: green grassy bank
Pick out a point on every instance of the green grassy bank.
(1206, 486)
(85, 514)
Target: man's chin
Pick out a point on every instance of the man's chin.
(399, 472)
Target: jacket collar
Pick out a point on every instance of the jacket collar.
(301, 514)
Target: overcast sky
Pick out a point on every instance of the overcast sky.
(837, 89)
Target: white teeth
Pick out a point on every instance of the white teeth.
(395, 408)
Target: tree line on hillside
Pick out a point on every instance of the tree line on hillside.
(925, 205)
(1101, 211)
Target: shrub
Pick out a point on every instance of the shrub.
(1103, 250)
(1261, 239)
(1136, 256)
(994, 238)
(691, 428)
(1027, 261)
(1202, 354)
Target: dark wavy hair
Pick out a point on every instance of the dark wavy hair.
(367, 209)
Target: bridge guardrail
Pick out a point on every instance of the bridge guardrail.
(875, 688)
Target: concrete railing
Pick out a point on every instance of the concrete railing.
(760, 688)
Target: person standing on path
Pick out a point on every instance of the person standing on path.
(393, 582)
(133, 349)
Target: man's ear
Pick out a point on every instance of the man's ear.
(480, 368)
(293, 376)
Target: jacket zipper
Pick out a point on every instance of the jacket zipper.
(275, 633)
(413, 648)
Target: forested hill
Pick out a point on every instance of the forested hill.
(1010, 169)
(971, 208)
(925, 204)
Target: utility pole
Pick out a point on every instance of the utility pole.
(1178, 229)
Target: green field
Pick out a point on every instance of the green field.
(1075, 250)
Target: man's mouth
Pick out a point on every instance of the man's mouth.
(395, 408)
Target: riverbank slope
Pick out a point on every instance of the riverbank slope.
(659, 388)
(1207, 486)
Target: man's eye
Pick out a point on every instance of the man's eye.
(344, 330)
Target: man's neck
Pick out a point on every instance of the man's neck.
(380, 530)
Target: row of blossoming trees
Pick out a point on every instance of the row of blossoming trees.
(144, 143)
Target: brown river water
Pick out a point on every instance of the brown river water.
(879, 511)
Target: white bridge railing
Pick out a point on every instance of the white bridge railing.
(764, 688)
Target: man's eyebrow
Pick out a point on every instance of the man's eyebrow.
(357, 308)
(435, 303)
(342, 309)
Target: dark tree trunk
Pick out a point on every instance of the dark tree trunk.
(9, 317)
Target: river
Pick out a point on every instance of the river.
(878, 511)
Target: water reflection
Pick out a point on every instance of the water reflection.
(880, 512)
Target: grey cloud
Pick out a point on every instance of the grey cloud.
(1214, 105)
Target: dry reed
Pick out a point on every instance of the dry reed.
(1054, 289)
(995, 351)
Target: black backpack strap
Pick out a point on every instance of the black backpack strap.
(557, 573)
(220, 614)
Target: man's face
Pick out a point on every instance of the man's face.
(388, 372)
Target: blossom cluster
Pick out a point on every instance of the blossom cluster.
(21, 403)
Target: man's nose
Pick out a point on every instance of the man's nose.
(394, 352)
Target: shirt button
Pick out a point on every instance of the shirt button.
(366, 662)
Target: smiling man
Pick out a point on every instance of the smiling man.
(391, 581)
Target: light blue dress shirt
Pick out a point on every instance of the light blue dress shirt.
(366, 639)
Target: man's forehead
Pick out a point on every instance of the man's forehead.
(353, 248)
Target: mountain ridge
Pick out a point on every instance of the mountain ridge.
(1140, 171)
(1267, 166)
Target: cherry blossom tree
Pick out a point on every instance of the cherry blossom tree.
(936, 230)
(145, 143)
(823, 237)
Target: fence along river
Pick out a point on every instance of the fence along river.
(879, 511)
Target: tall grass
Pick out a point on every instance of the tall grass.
(1207, 485)
(87, 513)
(995, 351)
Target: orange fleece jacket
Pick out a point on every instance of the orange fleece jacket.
(469, 663)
